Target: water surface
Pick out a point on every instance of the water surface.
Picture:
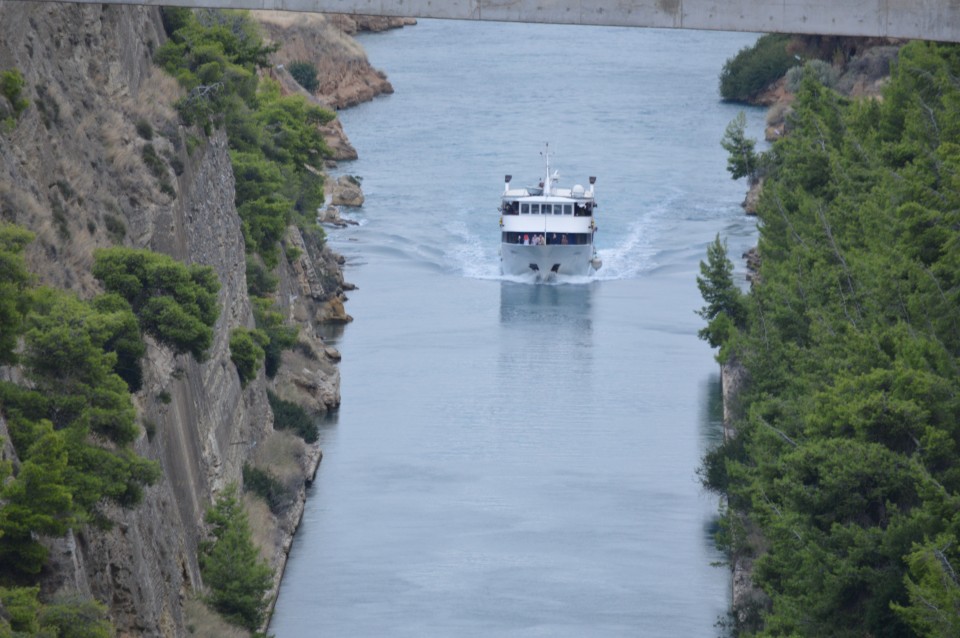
(514, 459)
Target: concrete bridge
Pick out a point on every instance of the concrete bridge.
(913, 19)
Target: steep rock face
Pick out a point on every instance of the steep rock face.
(76, 171)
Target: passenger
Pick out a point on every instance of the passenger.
(563, 240)
(526, 240)
(553, 239)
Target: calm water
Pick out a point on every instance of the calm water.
(515, 459)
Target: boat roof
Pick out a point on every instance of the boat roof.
(562, 195)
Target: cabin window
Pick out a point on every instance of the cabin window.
(535, 209)
(524, 209)
(568, 209)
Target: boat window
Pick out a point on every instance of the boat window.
(524, 208)
(568, 209)
(535, 209)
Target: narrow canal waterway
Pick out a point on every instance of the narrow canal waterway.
(513, 459)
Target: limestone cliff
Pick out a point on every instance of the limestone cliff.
(73, 171)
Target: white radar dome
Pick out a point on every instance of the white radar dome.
(578, 190)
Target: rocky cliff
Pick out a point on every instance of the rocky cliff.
(73, 171)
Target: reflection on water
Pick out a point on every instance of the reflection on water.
(561, 306)
(547, 335)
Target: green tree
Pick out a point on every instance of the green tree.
(36, 501)
(174, 302)
(11, 88)
(280, 336)
(754, 68)
(724, 309)
(742, 161)
(232, 569)
(246, 352)
(14, 280)
(934, 589)
(305, 73)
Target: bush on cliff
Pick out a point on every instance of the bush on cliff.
(233, 571)
(174, 302)
(754, 68)
(305, 73)
(11, 88)
(290, 416)
(246, 352)
(64, 617)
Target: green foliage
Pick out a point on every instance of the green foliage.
(743, 161)
(20, 607)
(276, 147)
(824, 72)
(63, 617)
(246, 352)
(232, 569)
(268, 487)
(754, 68)
(72, 425)
(14, 280)
(280, 337)
(305, 73)
(846, 459)
(933, 588)
(11, 88)
(290, 416)
(174, 302)
(76, 617)
(260, 281)
(724, 310)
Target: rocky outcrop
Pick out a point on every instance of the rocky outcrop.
(73, 171)
(345, 191)
(346, 76)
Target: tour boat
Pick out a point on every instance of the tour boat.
(548, 230)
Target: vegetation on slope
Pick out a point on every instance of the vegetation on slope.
(71, 420)
(276, 148)
(845, 462)
(231, 566)
(754, 68)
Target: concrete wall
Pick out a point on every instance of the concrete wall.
(914, 19)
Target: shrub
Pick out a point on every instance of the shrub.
(231, 566)
(144, 130)
(260, 281)
(754, 68)
(305, 73)
(246, 352)
(174, 302)
(156, 165)
(290, 416)
(822, 71)
(268, 487)
(280, 337)
(11, 87)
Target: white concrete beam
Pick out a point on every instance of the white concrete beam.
(912, 19)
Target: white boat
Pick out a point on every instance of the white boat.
(548, 230)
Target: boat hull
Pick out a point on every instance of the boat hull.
(517, 259)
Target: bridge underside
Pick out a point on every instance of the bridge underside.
(912, 19)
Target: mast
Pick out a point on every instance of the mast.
(546, 180)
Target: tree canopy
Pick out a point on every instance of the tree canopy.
(845, 461)
(174, 302)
